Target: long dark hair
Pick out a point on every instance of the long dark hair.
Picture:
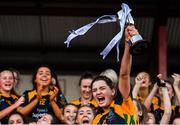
(104, 78)
(53, 75)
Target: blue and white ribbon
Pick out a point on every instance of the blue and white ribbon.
(84, 29)
(124, 17)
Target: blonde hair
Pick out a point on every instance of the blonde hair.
(112, 75)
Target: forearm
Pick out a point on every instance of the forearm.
(167, 107)
(148, 100)
(28, 108)
(124, 81)
(177, 91)
(126, 61)
(57, 110)
(136, 90)
(7, 110)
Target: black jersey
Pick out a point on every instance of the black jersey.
(44, 105)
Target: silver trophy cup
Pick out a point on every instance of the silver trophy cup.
(138, 45)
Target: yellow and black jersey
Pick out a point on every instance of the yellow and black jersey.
(44, 105)
(92, 103)
(120, 112)
(156, 104)
(158, 109)
(140, 99)
(5, 102)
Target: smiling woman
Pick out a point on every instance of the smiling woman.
(86, 97)
(69, 114)
(45, 97)
(8, 99)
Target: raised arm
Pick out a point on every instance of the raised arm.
(126, 62)
(167, 107)
(153, 92)
(148, 100)
(176, 83)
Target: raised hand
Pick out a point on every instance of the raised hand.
(55, 92)
(130, 31)
(19, 101)
(160, 81)
(176, 83)
(176, 78)
(139, 80)
(39, 92)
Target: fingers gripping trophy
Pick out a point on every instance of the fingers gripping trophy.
(137, 44)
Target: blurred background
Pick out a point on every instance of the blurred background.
(33, 32)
